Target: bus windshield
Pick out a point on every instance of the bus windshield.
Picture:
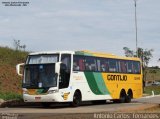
(39, 76)
(39, 59)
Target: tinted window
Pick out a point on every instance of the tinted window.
(90, 64)
(123, 66)
(136, 67)
(78, 63)
(65, 71)
(129, 67)
(113, 66)
(66, 59)
(102, 65)
(42, 59)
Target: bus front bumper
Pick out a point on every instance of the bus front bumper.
(43, 98)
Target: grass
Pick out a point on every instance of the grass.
(10, 95)
(11, 57)
(149, 89)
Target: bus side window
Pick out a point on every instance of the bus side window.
(123, 66)
(78, 63)
(81, 64)
(129, 67)
(102, 65)
(90, 64)
(113, 65)
(136, 67)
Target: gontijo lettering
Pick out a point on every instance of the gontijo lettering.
(117, 77)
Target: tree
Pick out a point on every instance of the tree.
(128, 52)
(18, 46)
(145, 55)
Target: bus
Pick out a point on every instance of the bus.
(77, 76)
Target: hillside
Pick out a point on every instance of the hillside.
(9, 80)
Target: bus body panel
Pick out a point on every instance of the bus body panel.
(92, 85)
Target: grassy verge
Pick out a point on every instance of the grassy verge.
(10, 96)
(149, 89)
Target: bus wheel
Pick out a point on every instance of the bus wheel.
(122, 97)
(129, 96)
(128, 99)
(76, 99)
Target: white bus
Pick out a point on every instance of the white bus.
(76, 76)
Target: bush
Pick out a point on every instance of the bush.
(149, 89)
(10, 96)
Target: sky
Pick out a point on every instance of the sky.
(96, 25)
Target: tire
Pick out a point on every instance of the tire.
(122, 97)
(128, 99)
(76, 99)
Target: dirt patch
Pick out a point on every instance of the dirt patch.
(9, 80)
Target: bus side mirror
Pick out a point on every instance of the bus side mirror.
(18, 69)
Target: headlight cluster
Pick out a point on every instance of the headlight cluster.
(25, 92)
(52, 91)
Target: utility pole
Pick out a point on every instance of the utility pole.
(135, 4)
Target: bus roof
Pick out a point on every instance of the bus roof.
(87, 53)
(106, 55)
(51, 52)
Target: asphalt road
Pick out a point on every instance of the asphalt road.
(85, 108)
(144, 102)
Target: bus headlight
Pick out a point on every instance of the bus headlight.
(52, 91)
(25, 92)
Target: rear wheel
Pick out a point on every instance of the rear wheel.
(122, 97)
(128, 99)
(76, 99)
(129, 96)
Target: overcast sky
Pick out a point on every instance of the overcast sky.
(96, 25)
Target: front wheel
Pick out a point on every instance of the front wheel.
(76, 99)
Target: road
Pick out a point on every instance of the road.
(86, 108)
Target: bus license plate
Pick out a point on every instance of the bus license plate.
(37, 98)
